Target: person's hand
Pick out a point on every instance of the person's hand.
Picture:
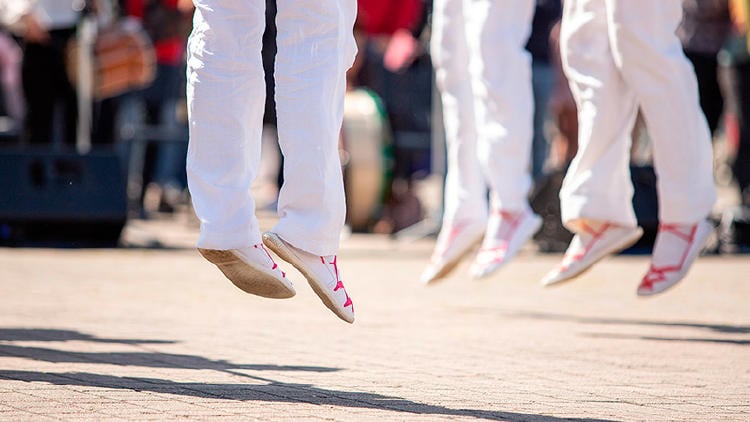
(185, 6)
(34, 31)
(401, 51)
(738, 11)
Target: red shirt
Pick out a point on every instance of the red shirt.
(135, 8)
(384, 17)
(169, 51)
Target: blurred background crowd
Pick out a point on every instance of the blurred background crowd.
(80, 78)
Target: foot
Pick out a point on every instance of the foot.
(506, 233)
(320, 271)
(453, 243)
(594, 242)
(252, 270)
(676, 247)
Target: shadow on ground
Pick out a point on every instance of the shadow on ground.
(46, 334)
(146, 359)
(720, 329)
(256, 388)
(735, 342)
(268, 391)
(143, 359)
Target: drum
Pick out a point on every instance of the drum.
(365, 143)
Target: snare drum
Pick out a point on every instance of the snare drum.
(365, 162)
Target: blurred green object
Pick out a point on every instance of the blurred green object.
(735, 51)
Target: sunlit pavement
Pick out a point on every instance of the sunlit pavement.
(152, 331)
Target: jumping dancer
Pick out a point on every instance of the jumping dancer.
(619, 56)
(484, 76)
(226, 93)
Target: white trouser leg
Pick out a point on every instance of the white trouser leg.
(315, 48)
(225, 104)
(465, 188)
(651, 60)
(597, 185)
(500, 69)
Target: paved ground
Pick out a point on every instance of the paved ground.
(156, 333)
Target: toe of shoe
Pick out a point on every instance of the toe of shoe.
(645, 291)
(345, 304)
(552, 278)
(427, 277)
(431, 273)
(479, 271)
(286, 290)
(347, 316)
(651, 289)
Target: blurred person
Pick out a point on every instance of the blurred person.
(704, 30)
(225, 105)
(45, 27)
(270, 176)
(167, 23)
(620, 55)
(483, 73)
(562, 133)
(392, 27)
(393, 63)
(10, 78)
(737, 57)
(563, 108)
(546, 15)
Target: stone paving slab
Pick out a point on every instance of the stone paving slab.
(155, 333)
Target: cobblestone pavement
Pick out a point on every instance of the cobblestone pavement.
(154, 333)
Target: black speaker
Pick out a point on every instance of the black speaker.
(61, 198)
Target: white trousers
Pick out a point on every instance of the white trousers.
(620, 55)
(483, 73)
(226, 94)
